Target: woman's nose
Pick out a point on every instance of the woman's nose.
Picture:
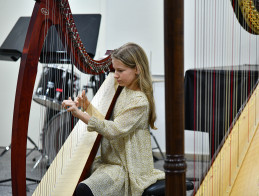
(116, 75)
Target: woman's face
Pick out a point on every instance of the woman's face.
(124, 75)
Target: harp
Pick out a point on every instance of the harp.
(231, 167)
(45, 14)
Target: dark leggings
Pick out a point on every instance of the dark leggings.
(83, 190)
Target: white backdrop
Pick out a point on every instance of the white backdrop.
(139, 21)
(122, 21)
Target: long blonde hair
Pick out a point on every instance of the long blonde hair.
(132, 55)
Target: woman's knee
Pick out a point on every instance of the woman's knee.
(83, 190)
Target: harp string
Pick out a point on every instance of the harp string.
(224, 54)
(28, 71)
(58, 123)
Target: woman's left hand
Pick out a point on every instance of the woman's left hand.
(71, 106)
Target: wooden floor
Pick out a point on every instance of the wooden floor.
(5, 171)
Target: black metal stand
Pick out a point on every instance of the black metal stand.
(7, 148)
(27, 179)
(157, 147)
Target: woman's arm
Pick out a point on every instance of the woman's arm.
(126, 121)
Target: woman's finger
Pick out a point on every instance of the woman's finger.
(69, 109)
(83, 93)
(67, 103)
(64, 103)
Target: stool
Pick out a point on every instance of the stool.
(158, 188)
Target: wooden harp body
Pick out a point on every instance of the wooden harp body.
(45, 14)
(175, 162)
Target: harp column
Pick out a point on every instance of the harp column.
(175, 165)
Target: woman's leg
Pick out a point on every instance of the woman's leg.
(83, 190)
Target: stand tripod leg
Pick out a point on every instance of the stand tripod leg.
(35, 146)
(158, 147)
(9, 147)
(27, 188)
(5, 150)
(6, 180)
(33, 142)
(37, 163)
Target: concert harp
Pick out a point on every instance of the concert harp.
(225, 96)
(46, 14)
(175, 166)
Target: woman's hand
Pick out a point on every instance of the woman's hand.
(82, 101)
(71, 106)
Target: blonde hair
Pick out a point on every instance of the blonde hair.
(132, 55)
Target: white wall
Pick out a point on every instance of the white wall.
(213, 36)
(9, 70)
(122, 21)
(140, 22)
(159, 96)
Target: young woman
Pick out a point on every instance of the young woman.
(125, 166)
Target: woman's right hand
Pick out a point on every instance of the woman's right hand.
(82, 101)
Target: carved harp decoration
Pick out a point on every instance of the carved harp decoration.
(45, 14)
(247, 14)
